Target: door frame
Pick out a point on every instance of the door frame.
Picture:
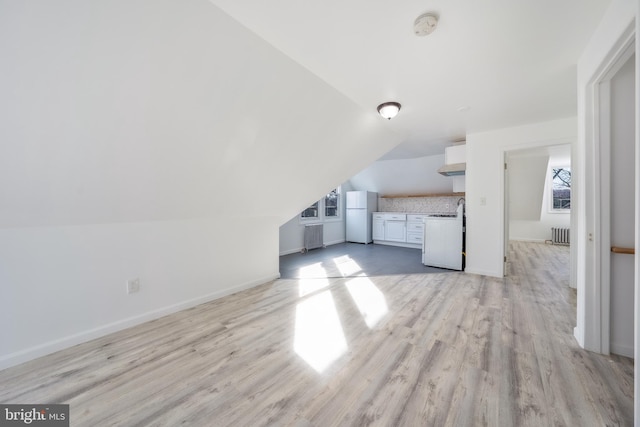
(596, 298)
(505, 178)
(603, 142)
(504, 187)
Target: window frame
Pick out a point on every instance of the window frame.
(551, 208)
(311, 218)
(338, 215)
(322, 206)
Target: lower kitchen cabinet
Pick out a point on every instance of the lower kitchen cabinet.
(415, 229)
(395, 231)
(378, 227)
(398, 229)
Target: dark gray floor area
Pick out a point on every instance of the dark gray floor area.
(352, 259)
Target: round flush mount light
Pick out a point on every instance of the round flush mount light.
(389, 110)
(425, 24)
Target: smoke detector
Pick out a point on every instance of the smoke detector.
(425, 24)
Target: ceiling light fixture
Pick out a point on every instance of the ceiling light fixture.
(389, 110)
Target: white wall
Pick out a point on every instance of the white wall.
(485, 186)
(151, 139)
(66, 284)
(404, 177)
(636, 297)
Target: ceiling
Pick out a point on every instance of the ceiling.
(489, 64)
(559, 155)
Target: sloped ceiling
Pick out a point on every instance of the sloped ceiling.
(147, 111)
(504, 63)
(405, 177)
(527, 176)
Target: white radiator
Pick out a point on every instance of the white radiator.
(560, 236)
(313, 236)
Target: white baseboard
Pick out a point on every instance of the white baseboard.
(291, 251)
(525, 239)
(577, 334)
(335, 242)
(31, 353)
(300, 249)
(622, 350)
(398, 244)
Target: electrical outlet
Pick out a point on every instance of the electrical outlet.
(133, 286)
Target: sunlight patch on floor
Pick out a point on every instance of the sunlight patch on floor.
(319, 337)
(369, 299)
(312, 279)
(347, 266)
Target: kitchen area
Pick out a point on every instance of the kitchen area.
(403, 229)
(433, 224)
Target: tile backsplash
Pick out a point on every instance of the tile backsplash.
(437, 204)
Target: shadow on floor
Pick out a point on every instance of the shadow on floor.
(353, 259)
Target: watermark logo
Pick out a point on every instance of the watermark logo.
(54, 415)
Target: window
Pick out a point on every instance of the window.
(311, 212)
(561, 189)
(326, 209)
(331, 204)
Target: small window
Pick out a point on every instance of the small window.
(311, 212)
(561, 189)
(325, 209)
(332, 204)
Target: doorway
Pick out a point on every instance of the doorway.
(617, 186)
(530, 210)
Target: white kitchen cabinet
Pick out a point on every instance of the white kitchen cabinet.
(395, 230)
(398, 229)
(415, 229)
(457, 154)
(459, 184)
(378, 227)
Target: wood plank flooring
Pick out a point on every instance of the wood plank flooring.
(448, 349)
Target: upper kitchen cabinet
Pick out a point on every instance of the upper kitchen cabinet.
(455, 159)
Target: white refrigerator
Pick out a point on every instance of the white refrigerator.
(359, 208)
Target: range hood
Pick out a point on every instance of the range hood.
(454, 169)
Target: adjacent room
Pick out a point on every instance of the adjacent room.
(219, 212)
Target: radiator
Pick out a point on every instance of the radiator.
(560, 236)
(313, 237)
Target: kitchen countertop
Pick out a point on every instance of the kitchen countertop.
(418, 213)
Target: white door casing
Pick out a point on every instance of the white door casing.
(593, 322)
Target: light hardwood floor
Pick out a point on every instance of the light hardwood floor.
(448, 349)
